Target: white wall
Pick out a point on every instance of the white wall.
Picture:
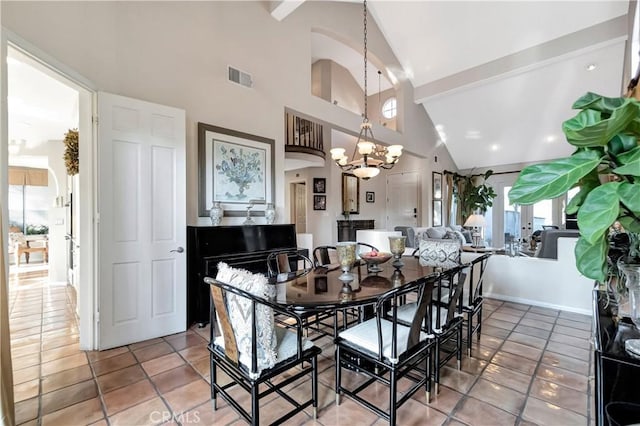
(177, 53)
(57, 212)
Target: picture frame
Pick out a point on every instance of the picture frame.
(437, 185)
(319, 185)
(251, 180)
(319, 202)
(437, 213)
(370, 197)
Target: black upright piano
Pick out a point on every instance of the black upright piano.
(244, 247)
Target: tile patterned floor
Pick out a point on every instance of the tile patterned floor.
(532, 366)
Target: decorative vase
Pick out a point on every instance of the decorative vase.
(270, 213)
(347, 258)
(631, 273)
(216, 213)
(397, 246)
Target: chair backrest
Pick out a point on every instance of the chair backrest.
(245, 317)
(396, 297)
(450, 281)
(324, 255)
(287, 262)
(475, 278)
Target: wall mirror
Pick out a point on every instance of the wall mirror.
(350, 193)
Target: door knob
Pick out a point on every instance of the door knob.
(178, 250)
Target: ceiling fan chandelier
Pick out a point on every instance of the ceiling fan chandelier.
(374, 156)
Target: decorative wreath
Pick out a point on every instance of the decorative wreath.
(71, 151)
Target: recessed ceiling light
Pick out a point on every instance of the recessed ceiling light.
(550, 138)
(495, 147)
(591, 67)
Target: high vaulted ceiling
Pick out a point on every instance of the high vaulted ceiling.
(498, 78)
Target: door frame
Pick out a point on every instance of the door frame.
(88, 280)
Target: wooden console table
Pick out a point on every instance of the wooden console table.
(347, 228)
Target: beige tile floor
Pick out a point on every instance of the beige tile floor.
(532, 366)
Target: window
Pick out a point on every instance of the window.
(27, 208)
(389, 108)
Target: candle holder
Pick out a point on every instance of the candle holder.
(397, 246)
(347, 258)
(397, 278)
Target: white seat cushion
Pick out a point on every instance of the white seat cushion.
(365, 335)
(286, 347)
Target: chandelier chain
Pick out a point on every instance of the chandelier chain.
(365, 60)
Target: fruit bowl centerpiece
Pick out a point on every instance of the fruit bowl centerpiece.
(374, 258)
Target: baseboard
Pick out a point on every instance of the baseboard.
(537, 303)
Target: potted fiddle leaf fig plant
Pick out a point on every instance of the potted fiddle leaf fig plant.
(605, 166)
(474, 195)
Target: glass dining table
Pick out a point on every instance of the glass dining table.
(320, 289)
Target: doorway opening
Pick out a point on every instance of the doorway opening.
(46, 229)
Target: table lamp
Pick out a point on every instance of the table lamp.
(477, 222)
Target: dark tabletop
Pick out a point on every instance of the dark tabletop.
(320, 288)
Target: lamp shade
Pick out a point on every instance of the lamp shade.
(475, 220)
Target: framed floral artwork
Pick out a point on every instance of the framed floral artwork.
(236, 169)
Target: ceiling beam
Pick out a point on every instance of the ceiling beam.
(283, 8)
(537, 56)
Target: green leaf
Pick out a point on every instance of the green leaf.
(598, 102)
(550, 180)
(587, 184)
(630, 224)
(591, 259)
(629, 194)
(631, 165)
(622, 143)
(589, 129)
(599, 210)
(629, 156)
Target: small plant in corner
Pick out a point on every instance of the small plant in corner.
(605, 166)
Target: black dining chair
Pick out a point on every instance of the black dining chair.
(386, 350)
(257, 355)
(324, 255)
(287, 265)
(472, 303)
(445, 319)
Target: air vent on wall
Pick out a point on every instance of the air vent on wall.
(240, 77)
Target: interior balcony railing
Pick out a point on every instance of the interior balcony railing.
(304, 136)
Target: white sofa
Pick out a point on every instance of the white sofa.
(542, 282)
(378, 238)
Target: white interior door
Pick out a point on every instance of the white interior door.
(402, 199)
(301, 208)
(142, 211)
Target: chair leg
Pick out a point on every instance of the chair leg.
(392, 396)
(255, 404)
(459, 344)
(479, 330)
(428, 376)
(469, 333)
(338, 375)
(214, 392)
(436, 368)
(314, 385)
